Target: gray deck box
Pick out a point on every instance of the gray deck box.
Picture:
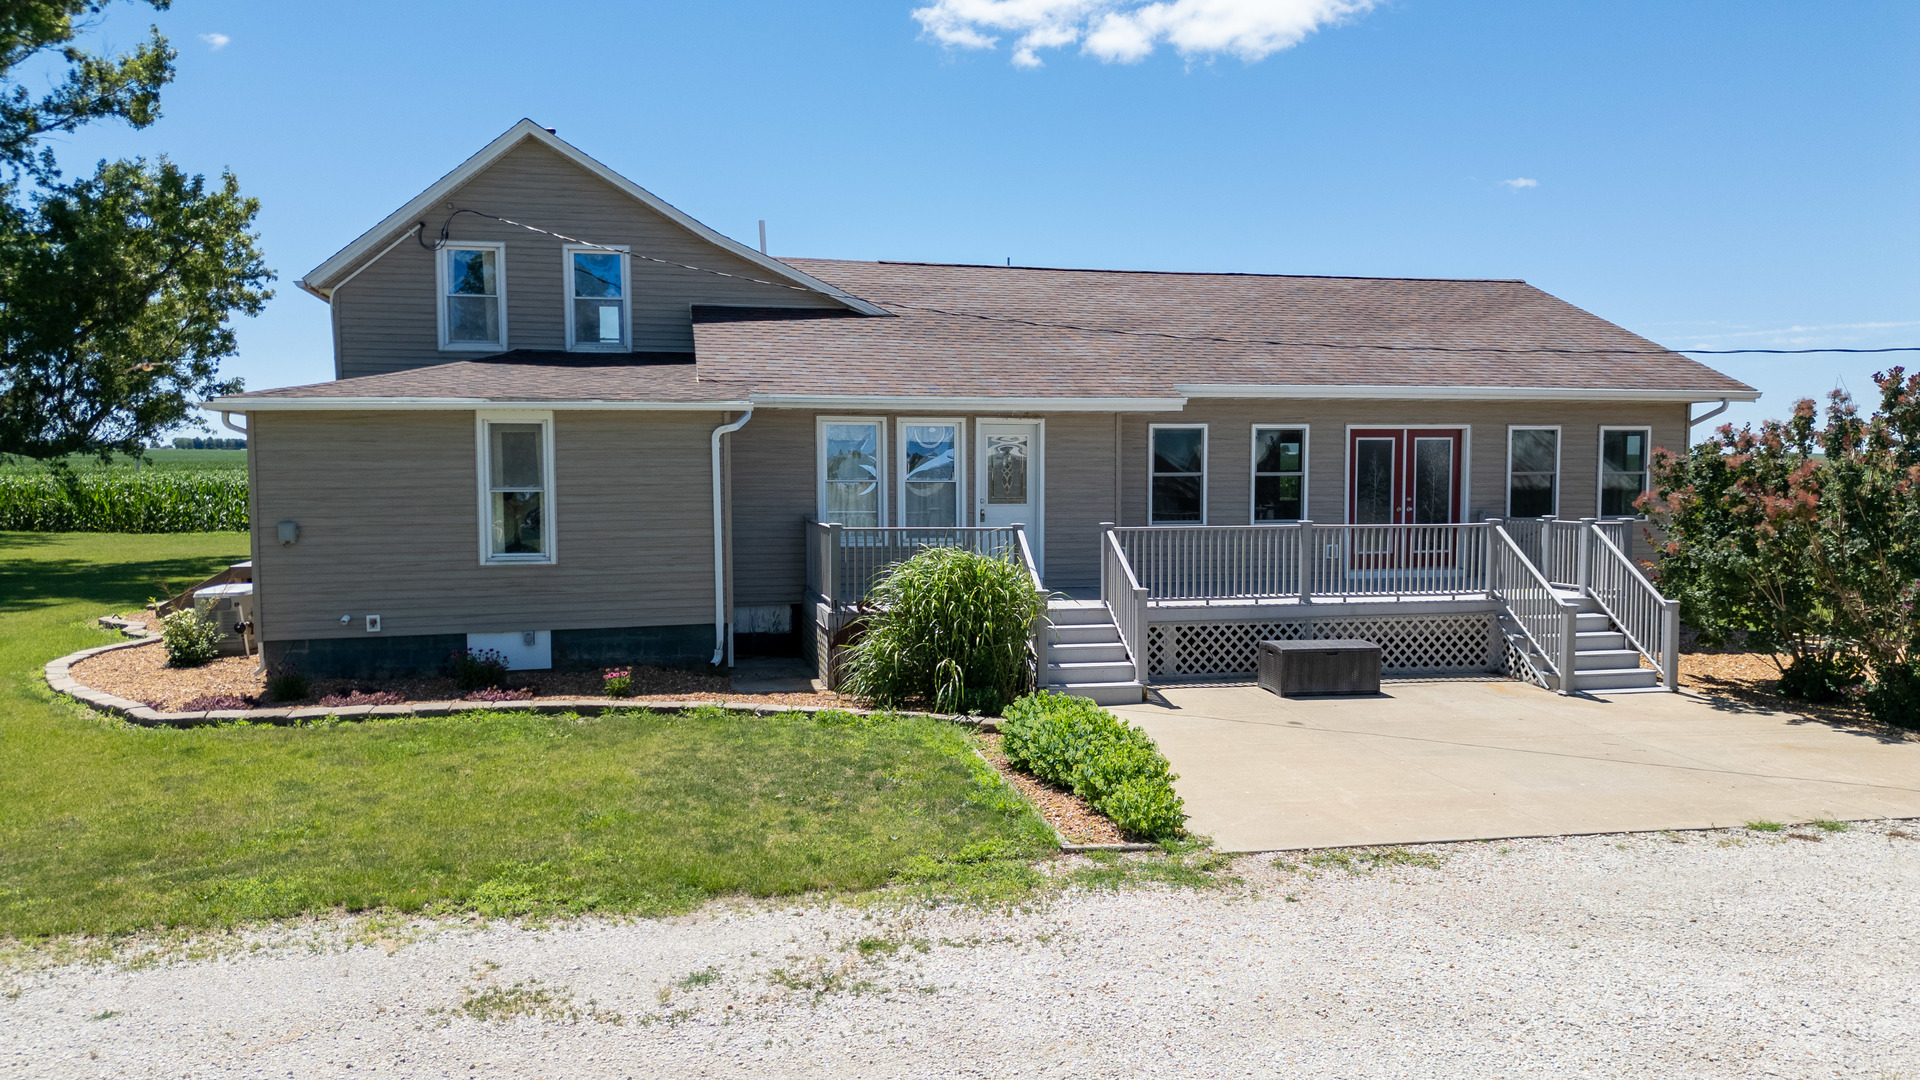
(1338, 666)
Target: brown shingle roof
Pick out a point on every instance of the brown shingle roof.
(528, 375)
(1019, 332)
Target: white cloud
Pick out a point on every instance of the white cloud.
(216, 41)
(1519, 182)
(1127, 30)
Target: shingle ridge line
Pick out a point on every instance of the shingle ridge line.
(1162, 273)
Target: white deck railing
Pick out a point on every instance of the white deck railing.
(1549, 621)
(845, 562)
(1650, 622)
(1303, 561)
(1555, 544)
(1125, 598)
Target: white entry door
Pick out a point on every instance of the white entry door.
(1009, 485)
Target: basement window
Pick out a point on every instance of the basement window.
(473, 312)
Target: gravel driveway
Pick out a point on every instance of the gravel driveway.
(1714, 954)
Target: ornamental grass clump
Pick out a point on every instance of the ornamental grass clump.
(477, 669)
(951, 628)
(1110, 763)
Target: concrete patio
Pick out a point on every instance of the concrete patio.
(1445, 760)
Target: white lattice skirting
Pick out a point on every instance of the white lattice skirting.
(1451, 644)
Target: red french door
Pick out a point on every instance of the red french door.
(1404, 476)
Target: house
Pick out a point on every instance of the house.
(572, 423)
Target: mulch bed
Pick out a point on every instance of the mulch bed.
(1753, 678)
(142, 674)
(1068, 813)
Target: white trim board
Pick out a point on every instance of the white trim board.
(967, 404)
(395, 404)
(318, 280)
(1455, 393)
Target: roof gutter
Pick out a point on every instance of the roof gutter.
(451, 404)
(970, 404)
(722, 629)
(1456, 393)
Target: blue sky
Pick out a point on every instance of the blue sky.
(1714, 174)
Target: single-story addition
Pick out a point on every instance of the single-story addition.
(573, 423)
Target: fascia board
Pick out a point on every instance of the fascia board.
(321, 277)
(423, 404)
(1455, 393)
(968, 404)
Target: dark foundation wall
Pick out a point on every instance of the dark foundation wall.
(374, 657)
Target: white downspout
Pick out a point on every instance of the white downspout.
(720, 544)
(1696, 421)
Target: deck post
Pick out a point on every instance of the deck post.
(1670, 644)
(1569, 625)
(833, 566)
(1583, 556)
(1306, 561)
(1486, 554)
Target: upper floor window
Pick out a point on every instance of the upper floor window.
(1623, 469)
(1177, 463)
(516, 487)
(1279, 473)
(1533, 471)
(598, 307)
(473, 311)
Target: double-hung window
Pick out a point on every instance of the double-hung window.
(516, 487)
(929, 474)
(851, 480)
(1177, 464)
(1533, 471)
(599, 309)
(1279, 473)
(473, 296)
(1623, 469)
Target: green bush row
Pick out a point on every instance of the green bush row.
(1113, 765)
(153, 502)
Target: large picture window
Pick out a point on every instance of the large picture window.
(473, 313)
(1623, 469)
(1177, 463)
(929, 474)
(1279, 473)
(851, 482)
(516, 488)
(598, 307)
(1533, 471)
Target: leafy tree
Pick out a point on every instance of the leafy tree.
(115, 288)
(1805, 539)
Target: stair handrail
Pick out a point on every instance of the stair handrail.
(1648, 620)
(1126, 599)
(1547, 620)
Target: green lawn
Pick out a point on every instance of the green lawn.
(163, 460)
(107, 828)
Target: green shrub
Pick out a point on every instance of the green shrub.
(951, 629)
(1821, 677)
(190, 637)
(286, 682)
(477, 669)
(1113, 765)
(1893, 697)
(119, 501)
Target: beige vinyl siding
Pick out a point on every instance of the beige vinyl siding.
(1230, 452)
(389, 525)
(385, 319)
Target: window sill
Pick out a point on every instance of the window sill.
(525, 560)
(472, 346)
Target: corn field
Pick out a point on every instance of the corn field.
(156, 502)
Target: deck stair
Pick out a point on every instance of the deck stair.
(1604, 661)
(1086, 656)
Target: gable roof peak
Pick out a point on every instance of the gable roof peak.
(321, 280)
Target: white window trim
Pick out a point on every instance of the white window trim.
(1559, 446)
(550, 502)
(959, 460)
(1253, 470)
(567, 252)
(1206, 465)
(880, 459)
(440, 258)
(1600, 466)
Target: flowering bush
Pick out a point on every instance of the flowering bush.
(190, 637)
(618, 682)
(1803, 538)
(475, 669)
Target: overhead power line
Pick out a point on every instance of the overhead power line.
(1163, 334)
